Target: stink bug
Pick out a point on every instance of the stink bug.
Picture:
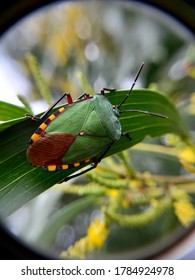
(79, 133)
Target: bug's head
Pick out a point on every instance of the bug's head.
(116, 110)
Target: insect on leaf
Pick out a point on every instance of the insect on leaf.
(20, 182)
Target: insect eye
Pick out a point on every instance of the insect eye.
(116, 111)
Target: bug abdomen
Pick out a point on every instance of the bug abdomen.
(49, 148)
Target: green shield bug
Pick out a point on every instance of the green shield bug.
(79, 133)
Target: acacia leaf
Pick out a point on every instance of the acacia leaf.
(10, 111)
(20, 182)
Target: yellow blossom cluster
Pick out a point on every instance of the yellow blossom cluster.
(184, 211)
(96, 235)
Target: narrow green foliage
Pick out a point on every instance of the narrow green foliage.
(84, 83)
(109, 183)
(10, 112)
(10, 115)
(39, 80)
(141, 219)
(24, 101)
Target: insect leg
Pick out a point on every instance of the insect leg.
(126, 134)
(94, 164)
(84, 96)
(102, 91)
(36, 118)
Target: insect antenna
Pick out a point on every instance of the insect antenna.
(146, 113)
(134, 82)
(129, 92)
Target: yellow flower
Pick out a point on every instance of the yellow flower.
(187, 154)
(112, 193)
(187, 159)
(97, 234)
(191, 71)
(135, 184)
(95, 239)
(184, 211)
(154, 202)
(125, 203)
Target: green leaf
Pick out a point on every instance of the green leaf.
(10, 114)
(9, 111)
(25, 103)
(39, 80)
(84, 83)
(20, 182)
